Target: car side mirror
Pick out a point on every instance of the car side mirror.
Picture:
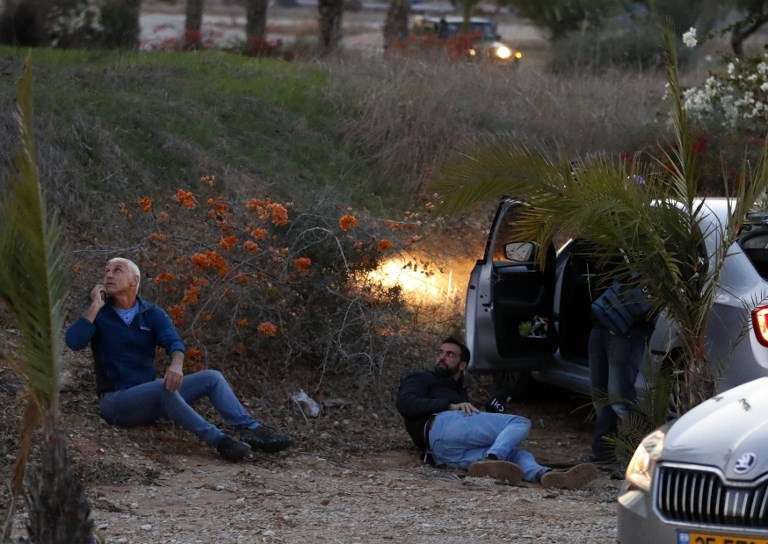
(519, 252)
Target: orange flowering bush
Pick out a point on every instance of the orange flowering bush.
(194, 354)
(302, 263)
(186, 199)
(164, 276)
(145, 203)
(347, 221)
(259, 234)
(267, 328)
(228, 242)
(260, 278)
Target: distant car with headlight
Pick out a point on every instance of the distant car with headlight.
(484, 40)
(703, 479)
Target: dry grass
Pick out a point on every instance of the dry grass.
(411, 114)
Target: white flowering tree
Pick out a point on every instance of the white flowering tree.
(736, 97)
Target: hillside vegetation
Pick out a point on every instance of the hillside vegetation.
(125, 124)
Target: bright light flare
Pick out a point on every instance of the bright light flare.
(419, 283)
(503, 52)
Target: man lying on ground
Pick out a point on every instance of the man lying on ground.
(450, 431)
(124, 330)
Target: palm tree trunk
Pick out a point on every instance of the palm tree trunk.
(132, 36)
(744, 29)
(396, 24)
(23, 22)
(124, 19)
(256, 20)
(193, 24)
(59, 512)
(467, 7)
(331, 12)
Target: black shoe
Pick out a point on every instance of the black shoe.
(265, 438)
(231, 449)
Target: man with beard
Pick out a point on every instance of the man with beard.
(451, 431)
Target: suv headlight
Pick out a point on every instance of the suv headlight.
(503, 52)
(640, 468)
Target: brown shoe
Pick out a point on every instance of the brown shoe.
(499, 470)
(573, 478)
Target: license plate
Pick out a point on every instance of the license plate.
(703, 538)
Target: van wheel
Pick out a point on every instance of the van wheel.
(516, 385)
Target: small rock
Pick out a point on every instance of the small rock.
(268, 532)
(146, 527)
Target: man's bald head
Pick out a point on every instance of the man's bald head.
(120, 274)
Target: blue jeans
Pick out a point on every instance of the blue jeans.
(614, 362)
(146, 403)
(458, 441)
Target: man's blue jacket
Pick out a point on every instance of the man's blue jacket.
(124, 355)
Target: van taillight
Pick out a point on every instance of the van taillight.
(760, 324)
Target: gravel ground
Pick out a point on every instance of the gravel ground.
(381, 498)
(353, 476)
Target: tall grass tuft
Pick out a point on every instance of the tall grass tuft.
(410, 114)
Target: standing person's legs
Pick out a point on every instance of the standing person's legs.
(212, 384)
(458, 440)
(146, 403)
(605, 416)
(625, 355)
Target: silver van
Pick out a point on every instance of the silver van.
(526, 322)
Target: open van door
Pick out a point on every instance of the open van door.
(509, 307)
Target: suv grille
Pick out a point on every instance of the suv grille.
(700, 496)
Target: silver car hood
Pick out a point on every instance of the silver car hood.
(723, 431)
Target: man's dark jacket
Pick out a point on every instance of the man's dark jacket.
(124, 355)
(423, 394)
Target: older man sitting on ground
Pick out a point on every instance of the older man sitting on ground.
(123, 331)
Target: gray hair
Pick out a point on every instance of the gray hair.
(132, 266)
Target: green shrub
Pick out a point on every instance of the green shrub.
(635, 47)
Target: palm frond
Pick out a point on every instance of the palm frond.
(32, 282)
(32, 276)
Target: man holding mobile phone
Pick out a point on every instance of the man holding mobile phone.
(123, 331)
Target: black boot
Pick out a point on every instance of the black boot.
(606, 424)
(231, 449)
(265, 438)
